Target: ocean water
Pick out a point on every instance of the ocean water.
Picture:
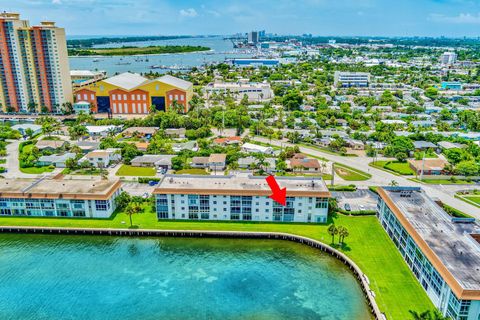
(221, 50)
(74, 277)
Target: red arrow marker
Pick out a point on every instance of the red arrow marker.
(278, 195)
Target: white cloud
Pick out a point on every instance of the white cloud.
(56, 1)
(462, 18)
(189, 13)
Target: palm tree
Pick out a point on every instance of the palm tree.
(332, 230)
(131, 209)
(393, 183)
(428, 315)
(343, 233)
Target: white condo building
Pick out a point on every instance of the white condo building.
(58, 198)
(240, 198)
(351, 79)
(448, 58)
(442, 251)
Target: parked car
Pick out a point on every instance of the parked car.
(347, 207)
(362, 207)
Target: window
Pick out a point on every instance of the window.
(102, 205)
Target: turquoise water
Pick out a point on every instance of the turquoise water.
(69, 277)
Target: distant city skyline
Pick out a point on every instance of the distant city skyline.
(451, 18)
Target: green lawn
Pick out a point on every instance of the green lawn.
(402, 168)
(36, 170)
(396, 289)
(83, 172)
(126, 170)
(474, 200)
(350, 174)
(327, 150)
(192, 171)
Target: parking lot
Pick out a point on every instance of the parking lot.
(138, 189)
(360, 200)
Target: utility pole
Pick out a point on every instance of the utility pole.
(423, 166)
(333, 174)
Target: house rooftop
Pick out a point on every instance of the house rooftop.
(428, 164)
(423, 144)
(141, 130)
(438, 234)
(240, 185)
(217, 157)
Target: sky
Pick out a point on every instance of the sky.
(451, 18)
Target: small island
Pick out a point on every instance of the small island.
(130, 50)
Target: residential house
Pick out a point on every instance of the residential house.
(176, 133)
(189, 145)
(87, 146)
(447, 145)
(333, 134)
(254, 148)
(144, 132)
(227, 141)
(23, 128)
(199, 162)
(159, 161)
(424, 145)
(423, 123)
(58, 160)
(217, 161)
(141, 146)
(429, 166)
(102, 158)
(355, 144)
(307, 108)
(102, 131)
(247, 162)
(50, 145)
(300, 163)
(323, 142)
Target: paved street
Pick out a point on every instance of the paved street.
(381, 178)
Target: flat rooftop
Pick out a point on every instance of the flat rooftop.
(240, 185)
(97, 189)
(452, 242)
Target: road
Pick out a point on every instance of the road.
(13, 165)
(381, 178)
